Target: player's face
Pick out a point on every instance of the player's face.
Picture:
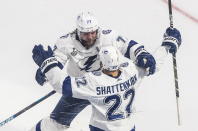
(89, 38)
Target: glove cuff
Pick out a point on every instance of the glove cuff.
(139, 51)
(48, 64)
(170, 39)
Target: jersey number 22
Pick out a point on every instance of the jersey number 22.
(111, 113)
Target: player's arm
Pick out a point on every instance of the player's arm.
(136, 52)
(49, 66)
(170, 45)
(60, 51)
(67, 85)
(60, 54)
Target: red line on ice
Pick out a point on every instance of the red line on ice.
(183, 12)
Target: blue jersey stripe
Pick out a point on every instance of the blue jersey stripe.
(38, 126)
(93, 128)
(66, 90)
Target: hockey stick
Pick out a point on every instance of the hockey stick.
(27, 108)
(174, 66)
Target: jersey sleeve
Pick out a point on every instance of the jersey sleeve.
(128, 48)
(60, 52)
(68, 86)
(140, 71)
(160, 55)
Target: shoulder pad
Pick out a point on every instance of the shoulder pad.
(64, 41)
(109, 34)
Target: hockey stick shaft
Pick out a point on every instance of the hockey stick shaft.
(176, 88)
(170, 13)
(27, 108)
(174, 66)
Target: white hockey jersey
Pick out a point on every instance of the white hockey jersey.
(79, 60)
(111, 98)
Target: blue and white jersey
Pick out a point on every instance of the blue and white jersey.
(111, 98)
(80, 60)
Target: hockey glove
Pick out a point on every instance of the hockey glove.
(146, 60)
(44, 58)
(40, 77)
(172, 39)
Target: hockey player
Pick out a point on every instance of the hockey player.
(111, 90)
(79, 51)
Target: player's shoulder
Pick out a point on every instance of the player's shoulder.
(92, 77)
(68, 36)
(127, 63)
(107, 36)
(108, 33)
(66, 39)
(110, 36)
(88, 79)
(96, 73)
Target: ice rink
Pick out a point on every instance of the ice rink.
(24, 23)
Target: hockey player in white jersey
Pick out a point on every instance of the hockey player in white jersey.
(79, 50)
(110, 90)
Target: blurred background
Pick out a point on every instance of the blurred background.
(24, 23)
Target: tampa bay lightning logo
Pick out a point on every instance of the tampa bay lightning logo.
(89, 62)
(106, 31)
